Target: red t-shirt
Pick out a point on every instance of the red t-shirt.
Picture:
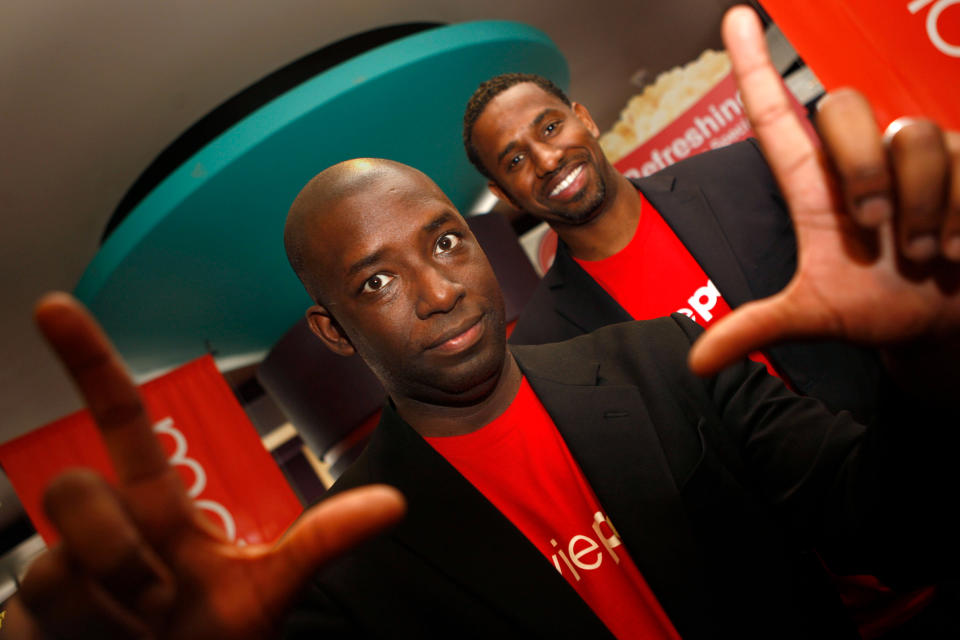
(522, 465)
(655, 275)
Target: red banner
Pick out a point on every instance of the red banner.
(208, 438)
(715, 120)
(904, 55)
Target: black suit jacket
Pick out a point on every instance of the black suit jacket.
(718, 489)
(726, 209)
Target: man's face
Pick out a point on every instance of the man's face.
(543, 155)
(405, 281)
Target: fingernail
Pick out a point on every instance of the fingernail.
(922, 247)
(951, 248)
(874, 210)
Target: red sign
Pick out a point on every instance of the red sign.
(904, 55)
(208, 438)
(714, 121)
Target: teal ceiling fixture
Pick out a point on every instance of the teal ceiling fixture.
(196, 264)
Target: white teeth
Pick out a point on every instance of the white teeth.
(566, 181)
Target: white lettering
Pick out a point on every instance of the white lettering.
(704, 299)
(725, 121)
(680, 148)
(577, 554)
(581, 546)
(567, 562)
(609, 542)
(179, 459)
(933, 30)
(694, 139)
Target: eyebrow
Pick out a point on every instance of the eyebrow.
(377, 256)
(513, 143)
(438, 222)
(364, 262)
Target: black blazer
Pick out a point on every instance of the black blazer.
(718, 489)
(726, 209)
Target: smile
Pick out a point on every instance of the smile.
(460, 341)
(566, 182)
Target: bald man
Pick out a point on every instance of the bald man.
(594, 487)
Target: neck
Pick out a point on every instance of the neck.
(431, 420)
(611, 230)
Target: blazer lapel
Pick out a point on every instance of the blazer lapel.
(612, 437)
(460, 533)
(584, 303)
(687, 212)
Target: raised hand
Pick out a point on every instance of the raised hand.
(877, 221)
(139, 560)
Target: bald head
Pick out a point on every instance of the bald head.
(320, 199)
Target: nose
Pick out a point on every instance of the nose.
(438, 293)
(546, 157)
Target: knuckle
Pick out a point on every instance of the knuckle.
(841, 97)
(919, 216)
(916, 133)
(70, 488)
(865, 177)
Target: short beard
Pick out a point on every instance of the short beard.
(588, 210)
(584, 215)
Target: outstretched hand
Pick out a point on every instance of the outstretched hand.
(139, 560)
(877, 220)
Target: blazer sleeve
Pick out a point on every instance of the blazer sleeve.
(874, 500)
(870, 499)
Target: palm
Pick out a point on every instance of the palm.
(141, 560)
(851, 282)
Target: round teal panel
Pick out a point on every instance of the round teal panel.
(198, 264)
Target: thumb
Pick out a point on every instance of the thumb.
(327, 530)
(752, 326)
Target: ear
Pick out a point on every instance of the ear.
(326, 327)
(584, 116)
(497, 191)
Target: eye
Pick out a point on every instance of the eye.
(376, 282)
(447, 242)
(514, 161)
(552, 127)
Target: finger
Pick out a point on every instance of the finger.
(103, 381)
(751, 327)
(787, 146)
(852, 141)
(102, 541)
(326, 531)
(65, 604)
(921, 167)
(951, 223)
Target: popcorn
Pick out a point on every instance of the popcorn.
(673, 92)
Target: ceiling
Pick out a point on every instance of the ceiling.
(92, 92)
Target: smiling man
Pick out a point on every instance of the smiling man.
(701, 237)
(592, 488)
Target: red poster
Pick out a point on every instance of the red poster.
(715, 120)
(208, 438)
(904, 55)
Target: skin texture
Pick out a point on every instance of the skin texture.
(404, 283)
(530, 141)
(138, 560)
(859, 205)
